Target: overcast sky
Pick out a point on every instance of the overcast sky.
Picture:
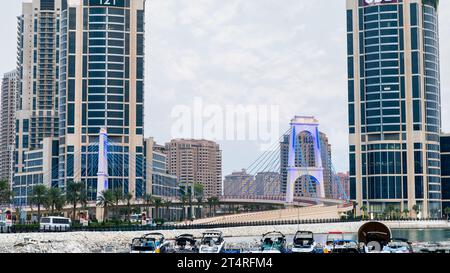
(290, 53)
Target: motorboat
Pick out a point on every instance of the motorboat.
(185, 243)
(398, 245)
(150, 243)
(345, 246)
(332, 237)
(273, 242)
(374, 237)
(212, 242)
(337, 243)
(304, 242)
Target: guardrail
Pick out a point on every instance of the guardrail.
(34, 229)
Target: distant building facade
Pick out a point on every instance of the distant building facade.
(196, 161)
(8, 125)
(267, 184)
(340, 188)
(239, 184)
(158, 181)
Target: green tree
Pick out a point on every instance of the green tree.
(406, 212)
(75, 193)
(38, 197)
(364, 211)
(416, 209)
(118, 196)
(447, 212)
(157, 203)
(213, 202)
(55, 200)
(5, 193)
(105, 200)
(199, 204)
(128, 198)
(148, 200)
(168, 204)
(389, 210)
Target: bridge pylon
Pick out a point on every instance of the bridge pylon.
(304, 157)
(102, 174)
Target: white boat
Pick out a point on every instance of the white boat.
(185, 243)
(272, 242)
(149, 243)
(212, 242)
(398, 246)
(304, 242)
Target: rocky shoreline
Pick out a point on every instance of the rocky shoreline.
(107, 242)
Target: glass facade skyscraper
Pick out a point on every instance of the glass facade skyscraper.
(445, 172)
(394, 105)
(102, 85)
(37, 93)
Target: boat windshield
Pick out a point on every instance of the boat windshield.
(272, 243)
(303, 242)
(144, 244)
(211, 240)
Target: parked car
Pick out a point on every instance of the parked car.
(53, 223)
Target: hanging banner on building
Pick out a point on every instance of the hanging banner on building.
(376, 2)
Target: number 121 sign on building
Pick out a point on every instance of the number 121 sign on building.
(107, 3)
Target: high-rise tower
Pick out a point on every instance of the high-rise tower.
(102, 85)
(37, 68)
(394, 105)
(8, 125)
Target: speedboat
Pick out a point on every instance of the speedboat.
(149, 243)
(304, 242)
(212, 242)
(273, 242)
(336, 243)
(375, 237)
(185, 243)
(345, 246)
(398, 245)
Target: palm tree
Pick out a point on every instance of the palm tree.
(210, 204)
(5, 193)
(389, 210)
(128, 198)
(406, 212)
(416, 209)
(184, 198)
(157, 203)
(213, 202)
(55, 200)
(168, 204)
(148, 200)
(199, 204)
(447, 212)
(105, 200)
(364, 211)
(117, 196)
(74, 196)
(38, 197)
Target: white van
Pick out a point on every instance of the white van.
(53, 223)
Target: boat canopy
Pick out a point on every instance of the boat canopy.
(374, 231)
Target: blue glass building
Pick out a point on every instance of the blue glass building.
(102, 85)
(445, 170)
(394, 105)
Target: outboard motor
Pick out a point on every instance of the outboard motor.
(374, 235)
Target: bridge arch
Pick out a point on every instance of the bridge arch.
(306, 186)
